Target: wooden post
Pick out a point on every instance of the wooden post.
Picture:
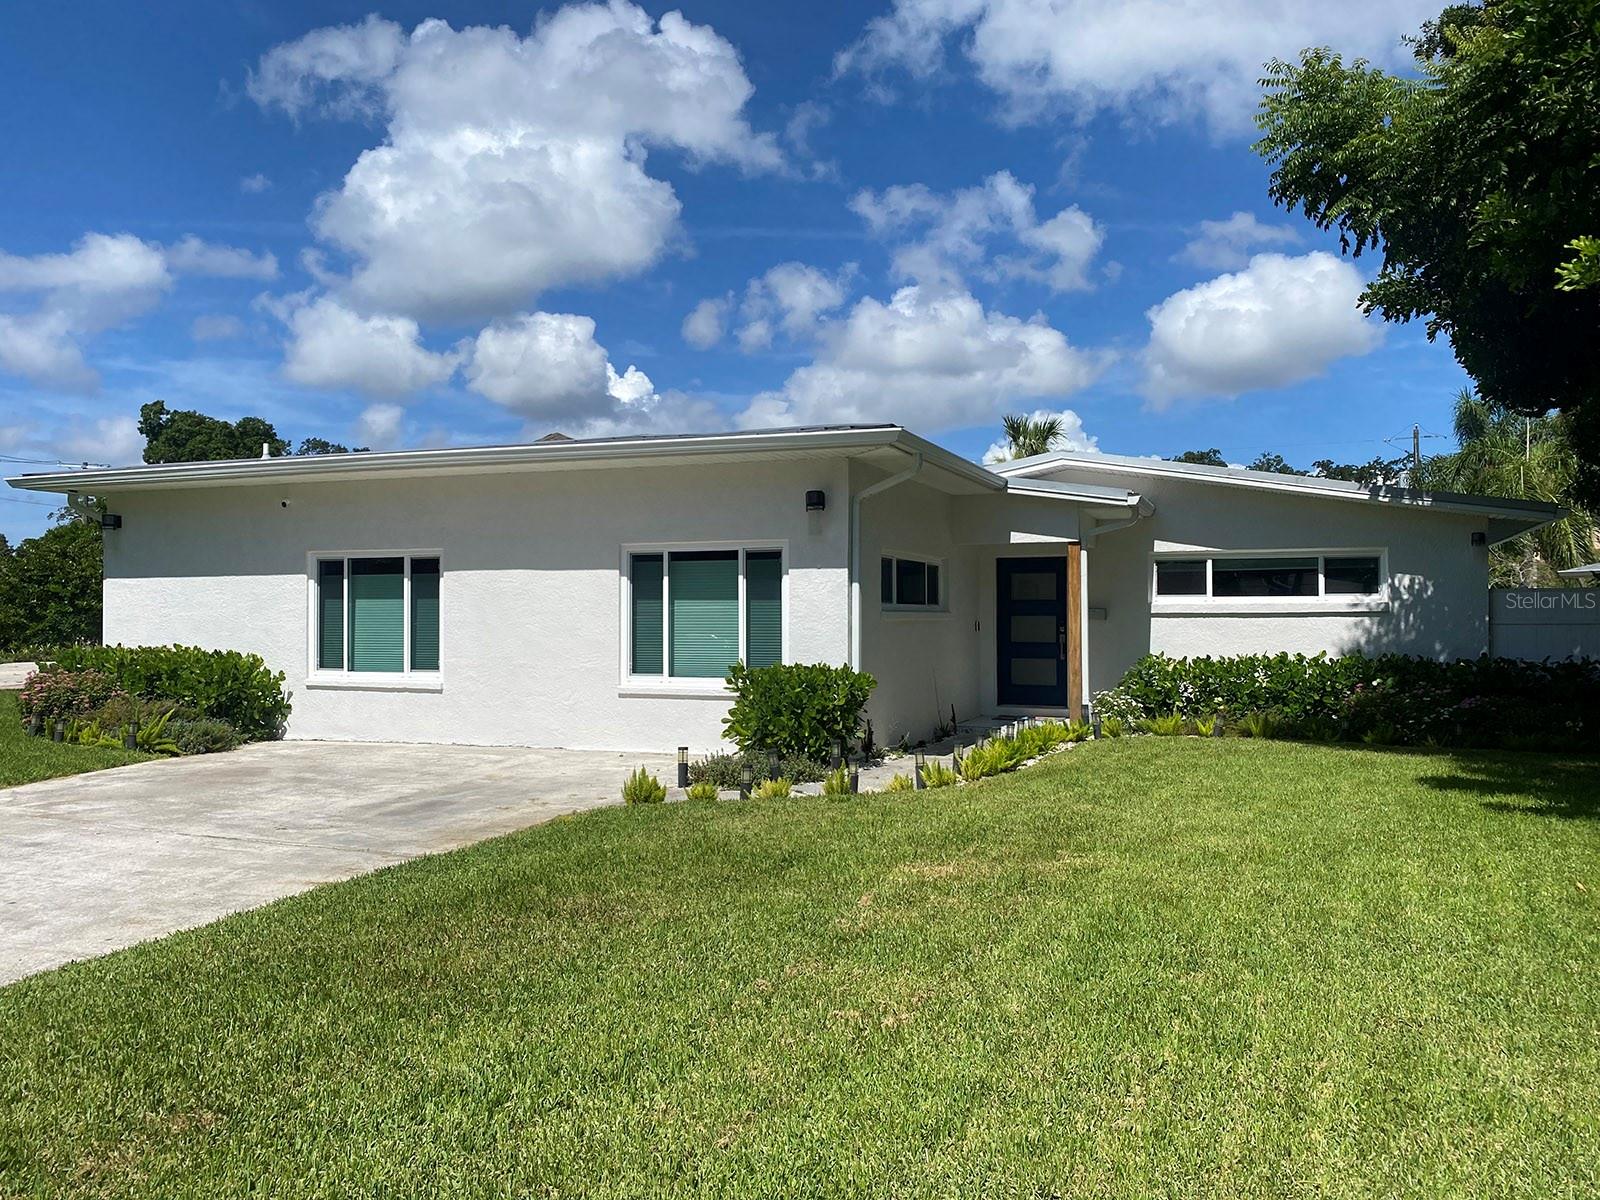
(1075, 631)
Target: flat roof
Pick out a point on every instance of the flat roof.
(1531, 511)
(888, 443)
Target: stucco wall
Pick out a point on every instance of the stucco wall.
(1541, 623)
(924, 662)
(531, 627)
(1438, 581)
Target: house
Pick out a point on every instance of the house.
(592, 593)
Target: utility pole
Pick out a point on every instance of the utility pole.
(1416, 448)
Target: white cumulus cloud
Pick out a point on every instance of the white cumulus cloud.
(378, 426)
(706, 322)
(512, 164)
(1280, 320)
(331, 346)
(1157, 59)
(934, 359)
(943, 238)
(1227, 245)
(191, 256)
(549, 368)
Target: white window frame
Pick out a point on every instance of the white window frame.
(940, 609)
(378, 681)
(1322, 602)
(664, 684)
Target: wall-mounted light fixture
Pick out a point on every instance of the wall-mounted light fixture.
(816, 500)
(1480, 538)
(110, 521)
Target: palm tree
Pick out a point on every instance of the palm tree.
(1031, 435)
(1520, 458)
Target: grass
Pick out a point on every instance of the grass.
(1187, 967)
(28, 759)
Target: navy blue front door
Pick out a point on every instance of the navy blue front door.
(1031, 616)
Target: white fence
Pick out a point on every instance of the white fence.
(1539, 623)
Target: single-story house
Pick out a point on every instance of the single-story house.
(594, 593)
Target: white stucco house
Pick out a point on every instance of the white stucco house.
(593, 593)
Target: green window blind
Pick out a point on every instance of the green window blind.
(330, 614)
(424, 614)
(377, 614)
(646, 614)
(763, 598)
(703, 592)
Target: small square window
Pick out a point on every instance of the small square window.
(1181, 577)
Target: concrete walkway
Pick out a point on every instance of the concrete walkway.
(96, 862)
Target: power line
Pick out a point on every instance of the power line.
(34, 503)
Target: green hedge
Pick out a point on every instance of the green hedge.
(224, 685)
(795, 709)
(1391, 699)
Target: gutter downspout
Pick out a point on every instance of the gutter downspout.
(853, 617)
(1142, 510)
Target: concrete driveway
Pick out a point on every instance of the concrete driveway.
(95, 862)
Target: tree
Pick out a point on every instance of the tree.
(1273, 463)
(1029, 436)
(1379, 472)
(316, 445)
(1521, 458)
(1479, 183)
(188, 436)
(1201, 458)
(50, 587)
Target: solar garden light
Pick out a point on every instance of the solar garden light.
(747, 777)
(35, 725)
(683, 766)
(838, 754)
(1216, 724)
(130, 738)
(1094, 722)
(855, 777)
(59, 732)
(916, 776)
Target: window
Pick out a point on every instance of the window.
(694, 613)
(1281, 577)
(377, 615)
(909, 583)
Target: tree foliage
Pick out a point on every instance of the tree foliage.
(1520, 458)
(1201, 458)
(50, 587)
(1028, 436)
(1478, 181)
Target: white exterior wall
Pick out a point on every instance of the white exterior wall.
(1541, 623)
(924, 662)
(1437, 605)
(531, 623)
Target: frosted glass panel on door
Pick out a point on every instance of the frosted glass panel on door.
(1032, 585)
(1033, 672)
(1033, 628)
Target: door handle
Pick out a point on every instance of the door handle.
(1061, 641)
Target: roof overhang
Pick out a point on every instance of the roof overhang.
(1579, 572)
(886, 445)
(1506, 518)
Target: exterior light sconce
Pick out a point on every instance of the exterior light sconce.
(816, 500)
(747, 777)
(683, 766)
(916, 775)
(110, 521)
(1480, 538)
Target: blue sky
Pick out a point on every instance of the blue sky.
(480, 222)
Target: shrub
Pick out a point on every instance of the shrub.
(1112, 727)
(53, 693)
(937, 775)
(836, 783)
(1258, 725)
(1394, 698)
(900, 783)
(203, 735)
(773, 789)
(796, 709)
(643, 788)
(702, 791)
(1206, 726)
(722, 770)
(992, 758)
(222, 684)
(1169, 725)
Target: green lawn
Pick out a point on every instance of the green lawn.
(27, 759)
(1185, 967)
